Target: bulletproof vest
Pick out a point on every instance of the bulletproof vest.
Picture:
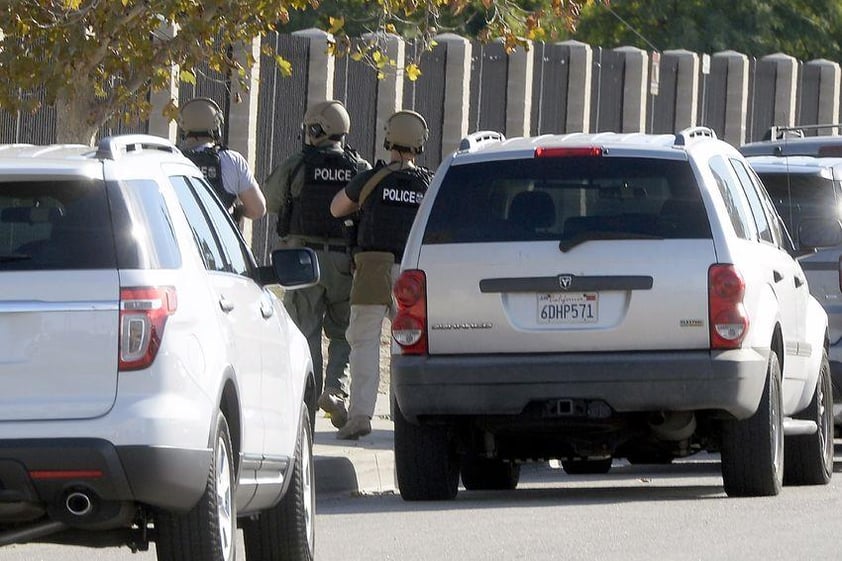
(325, 173)
(208, 160)
(388, 212)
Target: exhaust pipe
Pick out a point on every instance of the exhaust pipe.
(78, 503)
(674, 425)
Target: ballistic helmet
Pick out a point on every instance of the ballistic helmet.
(201, 116)
(326, 121)
(406, 131)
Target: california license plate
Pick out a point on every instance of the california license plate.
(568, 307)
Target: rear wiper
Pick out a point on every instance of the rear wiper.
(578, 239)
(12, 257)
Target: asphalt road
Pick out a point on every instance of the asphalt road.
(673, 513)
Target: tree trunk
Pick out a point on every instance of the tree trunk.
(74, 118)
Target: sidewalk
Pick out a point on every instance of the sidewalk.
(364, 466)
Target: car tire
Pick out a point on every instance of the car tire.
(808, 459)
(426, 463)
(208, 530)
(489, 474)
(586, 467)
(752, 449)
(286, 532)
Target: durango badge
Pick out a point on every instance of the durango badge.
(564, 281)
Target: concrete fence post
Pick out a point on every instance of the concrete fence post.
(159, 124)
(321, 65)
(786, 87)
(635, 86)
(457, 90)
(519, 91)
(389, 87)
(829, 93)
(242, 114)
(687, 87)
(580, 76)
(736, 96)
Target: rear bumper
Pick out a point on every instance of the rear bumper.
(44, 471)
(472, 385)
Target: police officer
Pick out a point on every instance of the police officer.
(300, 191)
(387, 199)
(228, 172)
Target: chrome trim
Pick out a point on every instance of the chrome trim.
(36, 306)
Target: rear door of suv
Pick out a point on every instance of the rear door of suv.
(59, 294)
(568, 250)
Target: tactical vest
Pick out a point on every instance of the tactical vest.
(208, 160)
(388, 212)
(325, 173)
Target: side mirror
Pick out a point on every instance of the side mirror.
(817, 233)
(293, 267)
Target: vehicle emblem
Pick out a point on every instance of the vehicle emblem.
(564, 281)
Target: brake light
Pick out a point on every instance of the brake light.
(143, 316)
(568, 152)
(728, 318)
(409, 326)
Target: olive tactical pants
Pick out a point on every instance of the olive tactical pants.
(325, 307)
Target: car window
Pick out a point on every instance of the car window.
(761, 220)
(799, 196)
(567, 197)
(229, 236)
(735, 199)
(203, 235)
(143, 229)
(51, 225)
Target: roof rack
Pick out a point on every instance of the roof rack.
(684, 137)
(115, 147)
(777, 132)
(480, 138)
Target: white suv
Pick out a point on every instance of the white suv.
(154, 388)
(590, 297)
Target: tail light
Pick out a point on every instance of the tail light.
(409, 326)
(728, 319)
(143, 316)
(839, 269)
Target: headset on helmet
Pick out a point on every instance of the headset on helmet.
(326, 121)
(201, 116)
(406, 131)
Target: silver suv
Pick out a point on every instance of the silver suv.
(592, 297)
(154, 388)
(807, 192)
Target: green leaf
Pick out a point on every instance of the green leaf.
(187, 76)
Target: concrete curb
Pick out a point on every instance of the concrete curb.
(364, 466)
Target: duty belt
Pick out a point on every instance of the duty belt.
(325, 246)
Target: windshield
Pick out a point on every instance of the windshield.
(802, 196)
(567, 199)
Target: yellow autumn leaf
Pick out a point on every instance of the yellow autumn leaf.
(377, 57)
(336, 24)
(187, 76)
(284, 66)
(390, 28)
(380, 75)
(72, 4)
(357, 56)
(413, 72)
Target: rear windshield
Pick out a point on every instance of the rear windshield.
(802, 196)
(48, 225)
(567, 198)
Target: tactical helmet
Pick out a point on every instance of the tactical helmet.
(406, 131)
(201, 116)
(326, 121)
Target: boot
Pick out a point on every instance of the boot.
(357, 426)
(333, 403)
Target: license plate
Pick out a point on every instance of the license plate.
(574, 307)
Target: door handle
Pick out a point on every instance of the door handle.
(266, 310)
(777, 276)
(225, 304)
